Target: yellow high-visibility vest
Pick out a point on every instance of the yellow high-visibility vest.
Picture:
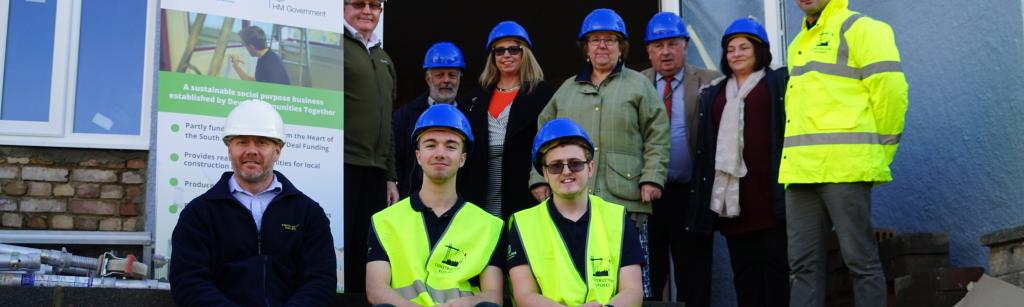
(429, 275)
(845, 100)
(552, 265)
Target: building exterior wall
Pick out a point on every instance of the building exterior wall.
(45, 188)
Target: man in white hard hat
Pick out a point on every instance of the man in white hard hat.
(253, 238)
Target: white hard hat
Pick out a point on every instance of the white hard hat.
(254, 117)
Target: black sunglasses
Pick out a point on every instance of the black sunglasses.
(513, 50)
(575, 166)
(361, 5)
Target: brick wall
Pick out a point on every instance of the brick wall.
(72, 189)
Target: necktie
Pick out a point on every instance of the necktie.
(667, 94)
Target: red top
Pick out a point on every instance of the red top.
(756, 186)
(500, 100)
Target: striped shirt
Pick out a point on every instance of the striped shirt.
(496, 128)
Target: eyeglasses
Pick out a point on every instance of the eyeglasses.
(606, 41)
(374, 6)
(575, 166)
(513, 50)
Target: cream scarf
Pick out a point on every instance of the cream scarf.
(729, 165)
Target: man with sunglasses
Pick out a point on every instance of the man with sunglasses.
(432, 247)
(370, 91)
(443, 66)
(574, 249)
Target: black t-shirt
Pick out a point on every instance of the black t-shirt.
(575, 236)
(270, 68)
(436, 225)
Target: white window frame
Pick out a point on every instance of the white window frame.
(64, 84)
(54, 125)
(774, 23)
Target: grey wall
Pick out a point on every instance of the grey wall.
(959, 166)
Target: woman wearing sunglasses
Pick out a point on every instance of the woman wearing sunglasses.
(503, 114)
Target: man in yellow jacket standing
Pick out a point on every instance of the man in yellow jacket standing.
(845, 104)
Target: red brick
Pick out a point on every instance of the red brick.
(8, 204)
(41, 161)
(62, 222)
(39, 188)
(90, 163)
(133, 192)
(88, 190)
(110, 224)
(128, 208)
(36, 222)
(93, 207)
(137, 163)
(133, 177)
(44, 174)
(15, 188)
(116, 164)
(130, 224)
(111, 191)
(86, 223)
(19, 160)
(43, 205)
(93, 175)
(64, 190)
(12, 220)
(8, 171)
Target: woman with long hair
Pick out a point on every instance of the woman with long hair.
(503, 114)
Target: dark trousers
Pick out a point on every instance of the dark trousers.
(812, 210)
(365, 194)
(760, 267)
(690, 252)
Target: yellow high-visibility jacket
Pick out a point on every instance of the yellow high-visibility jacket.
(846, 100)
(430, 275)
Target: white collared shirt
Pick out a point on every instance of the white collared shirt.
(374, 40)
(256, 204)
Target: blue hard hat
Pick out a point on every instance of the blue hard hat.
(444, 55)
(665, 25)
(447, 116)
(603, 20)
(557, 129)
(506, 29)
(747, 26)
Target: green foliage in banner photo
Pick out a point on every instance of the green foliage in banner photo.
(212, 96)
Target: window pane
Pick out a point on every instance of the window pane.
(28, 64)
(111, 51)
(709, 20)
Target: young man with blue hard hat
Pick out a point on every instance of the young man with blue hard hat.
(432, 247)
(573, 249)
(443, 66)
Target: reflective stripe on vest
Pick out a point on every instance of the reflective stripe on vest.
(836, 138)
(552, 264)
(429, 275)
(841, 68)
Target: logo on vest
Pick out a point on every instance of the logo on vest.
(599, 268)
(453, 257)
(823, 42)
